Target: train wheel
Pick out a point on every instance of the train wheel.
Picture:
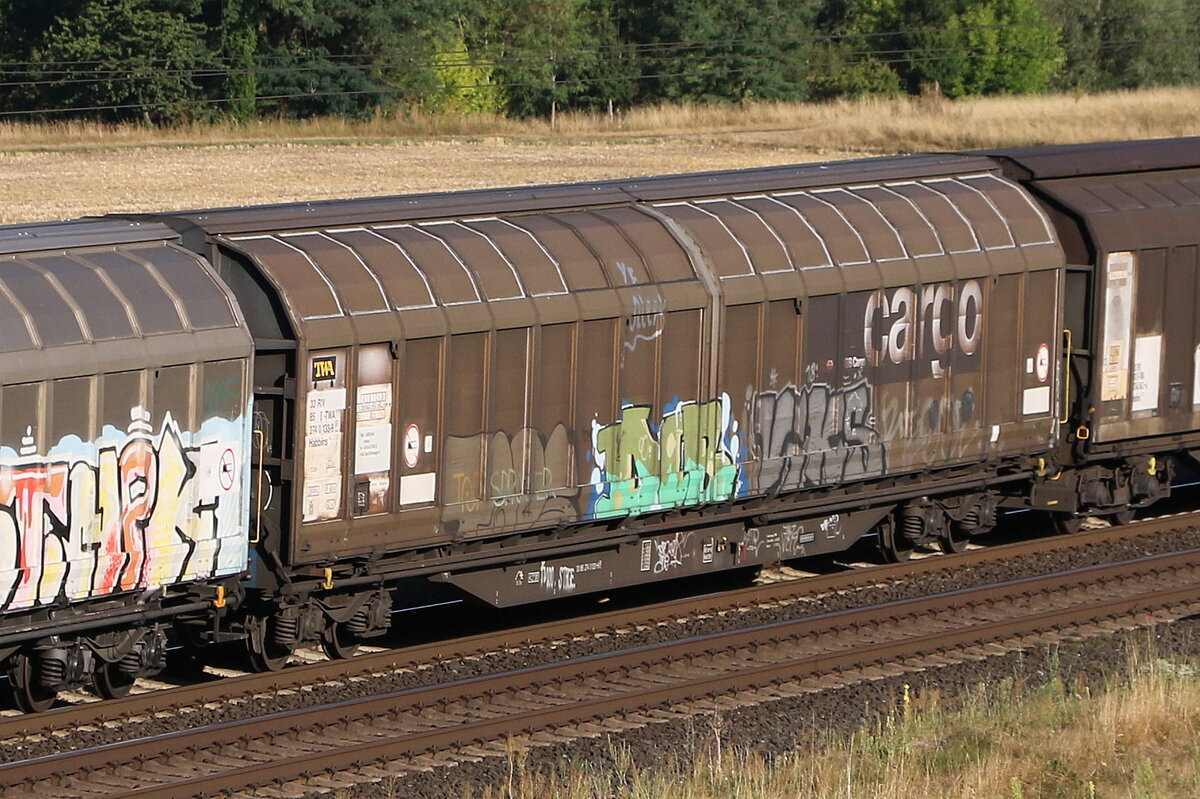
(110, 682)
(1123, 516)
(1067, 523)
(954, 540)
(27, 694)
(338, 642)
(263, 653)
(892, 543)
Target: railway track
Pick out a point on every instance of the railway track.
(339, 744)
(238, 694)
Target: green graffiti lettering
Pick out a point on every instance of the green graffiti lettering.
(690, 460)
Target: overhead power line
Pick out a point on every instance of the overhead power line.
(76, 75)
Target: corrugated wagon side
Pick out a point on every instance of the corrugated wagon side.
(124, 452)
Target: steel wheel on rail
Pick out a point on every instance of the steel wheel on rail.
(954, 539)
(338, 641)
(28, 695)
(110, 682)
(892, 543)
(263, 653)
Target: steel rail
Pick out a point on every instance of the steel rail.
(467, 733)
(891, 613)
(169, 699)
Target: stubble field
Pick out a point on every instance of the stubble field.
(68, 170)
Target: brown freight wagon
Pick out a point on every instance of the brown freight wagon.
(1128, 214)
(124, 452)
(540, 391)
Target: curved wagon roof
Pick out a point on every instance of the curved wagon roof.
(1054, 161)
(406, 266)
(1128, 195)
(123, 294)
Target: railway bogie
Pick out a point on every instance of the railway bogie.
(517, 395)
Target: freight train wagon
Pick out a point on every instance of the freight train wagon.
(537, 392)
(1128, 217)
(124, 443)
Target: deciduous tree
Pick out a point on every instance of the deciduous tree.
(121, 59)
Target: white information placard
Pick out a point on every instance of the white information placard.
(1147, 359)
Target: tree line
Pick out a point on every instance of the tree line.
(167, 61)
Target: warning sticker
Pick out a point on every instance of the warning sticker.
(1042, 364)
(227, 469)
(412, 445)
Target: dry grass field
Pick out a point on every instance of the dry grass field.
(1135, 739)
(67, 170)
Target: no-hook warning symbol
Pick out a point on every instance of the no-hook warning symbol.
(227, 469)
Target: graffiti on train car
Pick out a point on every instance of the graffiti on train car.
(842, 422)
(648, 317)
(527, 481)
(816, 435)
(132, 511)
(834, 425)
(685, 457)
(923, 324)
(934, 429)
